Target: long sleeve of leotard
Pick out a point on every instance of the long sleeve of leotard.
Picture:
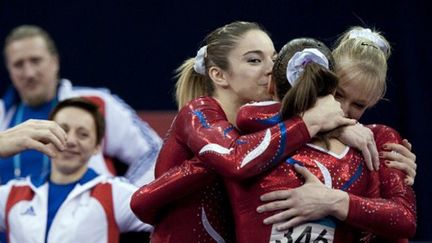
(176, 183)
(177, 176)
(207, 132)
(393, 206)
(394, 213)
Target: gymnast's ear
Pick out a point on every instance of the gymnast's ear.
(218, 76)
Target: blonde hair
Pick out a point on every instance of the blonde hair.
(360, 59)
(220, 43)
(190, 84)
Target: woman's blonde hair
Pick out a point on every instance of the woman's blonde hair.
(363, 58)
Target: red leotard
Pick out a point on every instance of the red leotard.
(399, 206)
(391, 216)
(201, 128)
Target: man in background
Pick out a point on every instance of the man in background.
(32, 61)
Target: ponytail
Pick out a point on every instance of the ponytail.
(190, 84)
(316, 81)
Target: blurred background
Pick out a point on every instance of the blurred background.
(132, 47)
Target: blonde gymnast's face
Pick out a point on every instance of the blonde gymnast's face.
(355, 93)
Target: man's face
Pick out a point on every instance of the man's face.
(32, 69)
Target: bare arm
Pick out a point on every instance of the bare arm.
(33, 134)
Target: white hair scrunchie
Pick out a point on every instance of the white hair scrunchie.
(199, 65)
(371, 36)
(300, 59)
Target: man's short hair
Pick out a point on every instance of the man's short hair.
(28, 31)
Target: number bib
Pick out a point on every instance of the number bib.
(321, 231)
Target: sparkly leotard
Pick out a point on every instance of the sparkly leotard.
(391, 216)
(395, 212)
(201, 128)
